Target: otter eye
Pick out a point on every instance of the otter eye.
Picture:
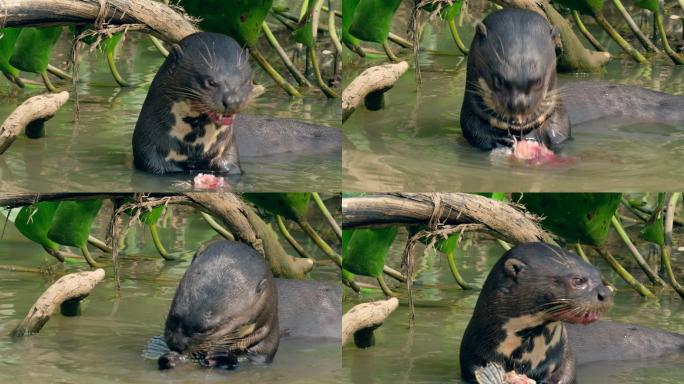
(209, 83)
(578, 282)
(535, 84)
(498, 82)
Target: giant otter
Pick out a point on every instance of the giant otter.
(228, 307)
(511, 91)
(188, 120)
(533, 316)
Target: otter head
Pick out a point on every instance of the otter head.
(211, 71)
(550, 284)
(225, 306)
(512, 69)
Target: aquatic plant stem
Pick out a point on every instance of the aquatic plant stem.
(313, 56)
(332, 32)
(627, 47)
(581, 253)
(308, 229)
(111, 61)
(385, 288)
(456, 36)
(328, 217)
(583, 28)
(266, 66)
(58, 72)
(158, 244)
(658, 19)
(389, 53)
(160, 47)
(99, 244)
(220, 229)
(626, 276)
(655, 279)
(503, 244)
(454, 271)
(88, 258)
(47, 82)
(393, 273)
(283, 56)
(645, 41)
(666, 248)
(288, 236)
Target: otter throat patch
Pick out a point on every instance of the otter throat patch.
(515, 339)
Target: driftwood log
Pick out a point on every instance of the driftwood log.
(502, 220)
(363, 319)
(34, 111)
(373, 82)
(74, 286)
(156, 17)
(229, 208)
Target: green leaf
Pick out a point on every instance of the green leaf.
(239, 19)
(577, 217)
(651, 5)
(654, 230)
(109, 44)
(304, 35)
(33, 47)
(366, 250)
(586, 7)
(72, 220)
(348, 9)
(450, 12)
(7, 42)
(372, 19)
(291, 206)
(34, 221)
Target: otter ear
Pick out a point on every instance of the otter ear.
(513, 267)
(556, 36)
(481, 29)
(176, 51)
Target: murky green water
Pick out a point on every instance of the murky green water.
(93, 153)
(105, 343)
(416, 142)
(429, 352)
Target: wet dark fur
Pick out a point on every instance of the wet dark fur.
(212, 70)
(533, 284)
(227, 288)
(531, 280)
(508, 35)
(208, 298)
(519, 47)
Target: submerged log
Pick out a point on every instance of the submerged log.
(371, 85)
(158, 18)
(363, 319)
(72, 287)
(33, 112)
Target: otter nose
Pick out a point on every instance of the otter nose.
(518, 103)
(231, 104)
(603, 293)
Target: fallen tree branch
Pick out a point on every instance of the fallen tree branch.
(374, 80)
(34, 111)
(74, 286)
(503, 220)
(163, 21)
(367, 317)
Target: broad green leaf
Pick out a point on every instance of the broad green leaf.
(8, 39)
(651, 5)
(33, 47)
(366, 250)
(34, 221)
(348, 9)
(289, 205)
(372, 19)
(586, 7)
(72, 220)
(239, 19)
(577, 217)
